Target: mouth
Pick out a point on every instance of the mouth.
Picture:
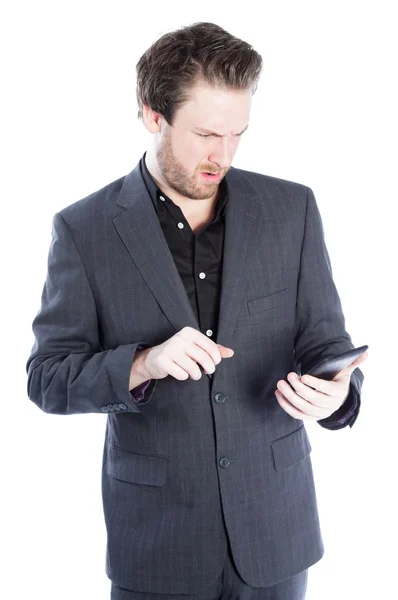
(211, 176)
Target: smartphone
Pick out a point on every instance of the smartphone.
(327, 368)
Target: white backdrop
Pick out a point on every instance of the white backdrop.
(324, 115)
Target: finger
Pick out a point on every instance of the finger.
(292, 410)
(309, 394)
(176, 371)
(317, 407)
(310, 387)
(189, 366)
(201, 357)
(207, 345)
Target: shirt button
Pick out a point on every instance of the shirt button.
(162, 199)
(202, 275)
(224, 462)
(181, 225)
(209, 332)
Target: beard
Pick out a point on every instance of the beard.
(178, 178)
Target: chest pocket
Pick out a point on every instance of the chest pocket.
(271, 304)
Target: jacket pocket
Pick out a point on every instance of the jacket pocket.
(267, 302)
(291, 449)
(144, 469)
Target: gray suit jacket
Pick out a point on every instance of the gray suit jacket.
(200, 456)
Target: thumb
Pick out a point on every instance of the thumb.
(226, 350)
(352, 366)
(358, 361)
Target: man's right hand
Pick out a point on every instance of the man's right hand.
(180, 355)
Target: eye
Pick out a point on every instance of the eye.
(206, 136)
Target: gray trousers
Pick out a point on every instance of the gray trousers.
(229, 586)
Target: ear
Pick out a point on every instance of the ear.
(152, 119)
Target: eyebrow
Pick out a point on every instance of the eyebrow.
(217, 134)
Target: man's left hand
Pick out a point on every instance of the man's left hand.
(304, 402)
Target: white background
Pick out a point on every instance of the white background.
(324, 115)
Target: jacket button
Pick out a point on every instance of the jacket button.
(219, 398)
(224, 462)
(110, 407)
(104, 408)
(122, 406)
(116, 407)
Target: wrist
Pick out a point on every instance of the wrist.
(139, 374)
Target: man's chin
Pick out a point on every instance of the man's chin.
(202, 193)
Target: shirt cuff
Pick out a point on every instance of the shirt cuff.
(138, 393)
(346, 414)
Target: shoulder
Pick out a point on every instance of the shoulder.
(100, 202)
(268, 183)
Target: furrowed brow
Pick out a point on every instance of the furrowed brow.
(207, 131)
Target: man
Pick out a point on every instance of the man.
(207, 483)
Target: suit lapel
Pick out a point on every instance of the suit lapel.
(140, 230)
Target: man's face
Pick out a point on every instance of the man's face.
(182, 150)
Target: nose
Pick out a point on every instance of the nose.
(223, 152)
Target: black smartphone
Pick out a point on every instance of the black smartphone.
(327, 368)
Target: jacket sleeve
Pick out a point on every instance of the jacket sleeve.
(67, 371)
(320, 323)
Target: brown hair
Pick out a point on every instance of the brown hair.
(179, 59)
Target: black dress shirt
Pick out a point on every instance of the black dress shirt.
(197, 256)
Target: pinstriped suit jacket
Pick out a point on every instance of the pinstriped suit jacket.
(204, 459)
